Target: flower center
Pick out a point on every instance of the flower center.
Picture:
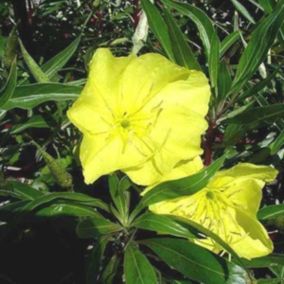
(125, 123)
(210, 195)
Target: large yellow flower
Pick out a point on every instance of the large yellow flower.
(141, 115)
(227, 206)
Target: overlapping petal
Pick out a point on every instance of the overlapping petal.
(141, 115)
(227, 206)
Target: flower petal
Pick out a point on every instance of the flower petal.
(103, 154)
(243, 184)
(178, 128)
(145, 76)
(94, 110)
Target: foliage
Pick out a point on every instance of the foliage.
(237, 44)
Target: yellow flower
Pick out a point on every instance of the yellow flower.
(141, 115)
(227, 206)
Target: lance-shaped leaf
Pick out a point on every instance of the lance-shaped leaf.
(36, 71)
(191, 260)
(184, 186)
(261, 40)
(96, 226)
(271, 212)
(162, 224)
(30, 96)
(158, 26)
(7, 92)
(137, 268)
(52, 66)
(182, 51)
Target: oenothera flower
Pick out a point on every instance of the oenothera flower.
(227, 206)
(141, 115)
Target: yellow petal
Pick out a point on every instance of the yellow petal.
(182, 169)
(178, 128)
(256, 243)
(141, 115)
(103, 154)
(146, 76)
(243, 184)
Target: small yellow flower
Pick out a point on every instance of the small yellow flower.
(227, 206)
(141, 115)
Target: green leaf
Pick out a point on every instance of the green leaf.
(36, 121)
(205, 232)
(214, 60)
(260, 86)
(22, 190)
(228, 41)
(224, 82)
(52, 66)
(94, 260)
(265, 261)
(238, 275)
(277, 144)
(162, 224)
(270, 212)
(256, 115)
(261, 40)
(137, 268)
(201, 20)
(120, 195)
(70, 196)
(110, 270)
(182, 51)
(158, 26)
(95, 226)
(189, 259)
(184, 186)
(242, 9)
(63, 209)
(8, 90)
(30, 96)
(36, 71)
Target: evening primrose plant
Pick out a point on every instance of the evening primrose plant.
(163, 161)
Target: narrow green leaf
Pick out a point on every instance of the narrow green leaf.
(137, 268)
(71, 196)
(36, 71)
(158, 26)
(228, 42)
(95, 226)
(110, 270)
(30, 96)
(261, 40)
(185, 186)
(94, 260)
(52, 66)
(201, 20)
(36, 121)
(258, 87)
(21, 190)
(182, 51)
(242, 9)
(277, 144)
(189, 259)
(213, 61)
(64, 209)
(162, 224)
(224, 82)
(270, 212)
(269, 113)
(265, 261)
(120, 195)
(7, 92)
